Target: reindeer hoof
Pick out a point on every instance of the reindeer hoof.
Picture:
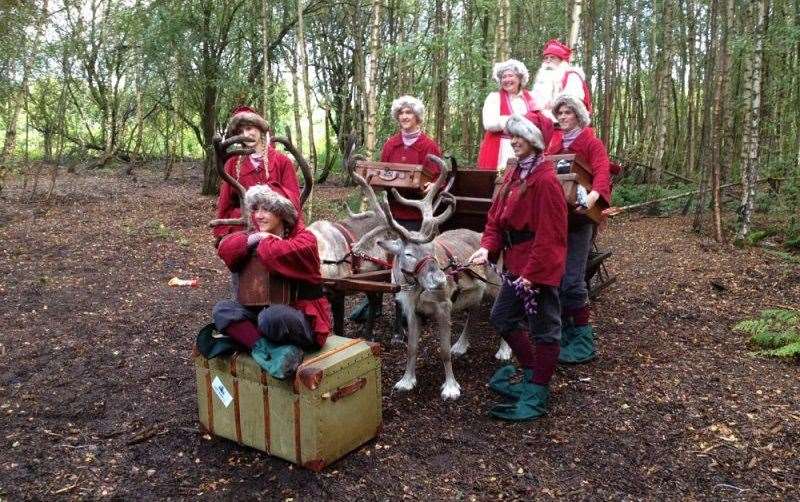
(405, 384)
(451, 390)
(503, 353)
(459, 349)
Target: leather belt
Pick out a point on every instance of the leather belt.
(514, 237)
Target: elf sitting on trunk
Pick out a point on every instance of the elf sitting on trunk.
(277, 335)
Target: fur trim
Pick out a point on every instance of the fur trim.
(577, 106)
(264, 197)
(518, 125)
(554, 47)
(244, 115)
(408, 102)
(512, 64)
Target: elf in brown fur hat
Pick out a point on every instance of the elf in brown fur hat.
(265, 166)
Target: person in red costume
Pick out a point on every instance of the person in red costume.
(265, 166)
(527, 223)
(512, 97)
(557, 75)
(409, 146)
(277, 335)
(574, 136)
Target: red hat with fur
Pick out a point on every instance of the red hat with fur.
(554, 47)
(244, 115)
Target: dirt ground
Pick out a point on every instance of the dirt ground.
(97, 392)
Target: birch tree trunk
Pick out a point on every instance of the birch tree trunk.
(750, 141)
(502, 49)
(303, 57)
(17, 100)
(372, 78)
(265, 81)
(663, 82)
(298, 132)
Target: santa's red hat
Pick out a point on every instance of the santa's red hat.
(554, 47)
(244, 115)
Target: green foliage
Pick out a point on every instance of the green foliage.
(627, 193)
(776, 333)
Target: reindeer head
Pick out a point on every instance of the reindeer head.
(414, 251)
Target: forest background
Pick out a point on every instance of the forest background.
(690, 96)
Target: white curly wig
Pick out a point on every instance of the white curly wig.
(262, 196)
(517, 125)
(577, 106)
(516, 66)
(408, 102)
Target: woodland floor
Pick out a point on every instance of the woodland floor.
(97, 389)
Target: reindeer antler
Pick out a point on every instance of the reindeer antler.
(301, 162)
(437, 194)
(222, 154)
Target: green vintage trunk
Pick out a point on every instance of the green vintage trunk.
(332, 406)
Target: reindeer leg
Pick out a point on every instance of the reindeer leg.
(409, 380)
(461, 346)
(504, 352)
(450, 388)
(398, 335)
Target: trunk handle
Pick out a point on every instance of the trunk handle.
(349, 389)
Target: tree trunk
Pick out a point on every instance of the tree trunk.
(18, 97)
(298, 132)
(265, 80)
(303, 56)
(751, 137)
(664, 86)
(372, 78)
(502, 49)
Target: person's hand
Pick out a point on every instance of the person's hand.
(525, 282)
(256, 237)
(428, 186)
(591, 199)
(479, 257)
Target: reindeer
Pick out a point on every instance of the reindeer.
(433, 275)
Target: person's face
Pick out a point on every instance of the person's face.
(522, 148)
(551, 62)
(407, 119)
(510, 81)
(567, 118)
(267, 221)
(252, 135)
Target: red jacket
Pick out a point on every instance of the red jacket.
(591, 150)
(281, 174)
(395, 151)
(295, 257)
(535, 204)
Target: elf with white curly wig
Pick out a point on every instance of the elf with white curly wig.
(409, 146)
(511, 98)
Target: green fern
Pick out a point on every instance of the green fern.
(776, 332)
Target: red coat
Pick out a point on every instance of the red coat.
(539, 208)
(295, 257)
(591, 150)
(281, 174)
(395, 151)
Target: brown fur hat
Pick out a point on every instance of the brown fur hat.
(244, 115)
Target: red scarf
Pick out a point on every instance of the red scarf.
(490, 146)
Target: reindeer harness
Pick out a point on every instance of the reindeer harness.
(354, 258)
